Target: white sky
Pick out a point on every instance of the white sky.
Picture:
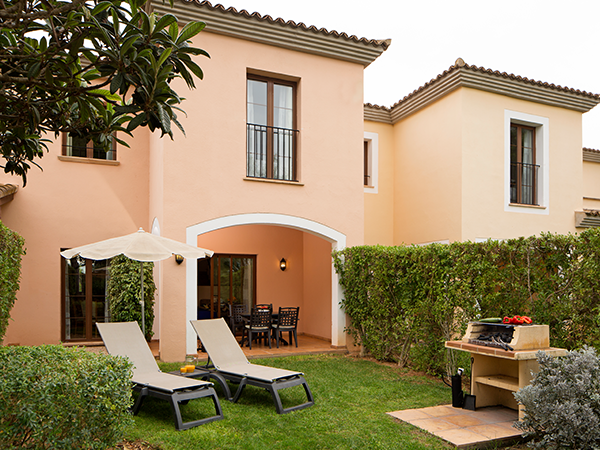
(555, 41)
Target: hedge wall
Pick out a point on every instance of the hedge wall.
(404, 302)
(11, 251)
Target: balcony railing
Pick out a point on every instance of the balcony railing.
(271, 152)
(524, 183)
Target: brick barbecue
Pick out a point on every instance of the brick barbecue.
(502, 359)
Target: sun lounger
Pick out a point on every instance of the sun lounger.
(126, 339)
(229, 360)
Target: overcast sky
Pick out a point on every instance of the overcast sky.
(546, 40)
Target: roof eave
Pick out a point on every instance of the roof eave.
(7, 193)
(275, 32)
(496, 83)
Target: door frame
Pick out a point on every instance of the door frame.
(212, 268)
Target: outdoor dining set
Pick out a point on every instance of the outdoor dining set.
(261, 323)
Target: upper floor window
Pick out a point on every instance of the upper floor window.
(523, 168)
(371, 162)
(272, 145)
(526, 163)
(85, 148)
(366, 165)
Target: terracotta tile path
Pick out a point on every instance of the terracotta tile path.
(306, 345)
(481, 428)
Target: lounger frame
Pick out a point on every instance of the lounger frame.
(269, 378)
(126, 339)
(174, 398)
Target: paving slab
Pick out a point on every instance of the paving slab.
(484, 427)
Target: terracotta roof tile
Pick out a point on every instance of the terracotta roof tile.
(372, 105)
(290, 23)
(586, 149)
(460, 64)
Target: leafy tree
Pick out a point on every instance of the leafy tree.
(90, 68)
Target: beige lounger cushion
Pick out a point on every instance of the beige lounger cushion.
(228, 357)
(126, 339)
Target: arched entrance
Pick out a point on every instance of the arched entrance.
(335, 238)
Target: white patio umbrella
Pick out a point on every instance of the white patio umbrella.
(140, 246)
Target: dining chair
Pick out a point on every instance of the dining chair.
(260, 324)
(268, 306)
(288, 321)
(236, 319)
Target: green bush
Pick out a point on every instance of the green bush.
(124, 294)
(404, 302)
(562, 403)
(11, 251)
(62, 398)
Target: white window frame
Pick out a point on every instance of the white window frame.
(542, 158)
(441, 241)
(372, 140)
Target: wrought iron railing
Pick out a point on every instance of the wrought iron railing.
(271, 152)
(524, 183)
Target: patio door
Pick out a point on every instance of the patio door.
(84, 298)
(233, 281)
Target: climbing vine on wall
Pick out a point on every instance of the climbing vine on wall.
(11, 252)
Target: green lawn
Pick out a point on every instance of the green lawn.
(351, 398)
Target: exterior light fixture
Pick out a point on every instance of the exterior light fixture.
(178, 259)
(283, 264)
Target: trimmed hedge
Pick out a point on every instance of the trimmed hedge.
(404, 302)
(11, 251)
(53, 397)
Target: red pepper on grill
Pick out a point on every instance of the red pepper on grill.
(517, 320)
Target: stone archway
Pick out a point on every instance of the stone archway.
(337, 240)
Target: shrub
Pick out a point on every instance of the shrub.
(562, 403)
(11, 251)
(124, 294)
(53, 397)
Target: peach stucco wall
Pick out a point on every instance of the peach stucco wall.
(483, 213)
(449, 172)
(204, 172)
(379, 206)
(591, 185)
(198, 177)
(66, 205)
(427, 189)
(317, 287)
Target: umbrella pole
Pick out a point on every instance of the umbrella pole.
(142, 301)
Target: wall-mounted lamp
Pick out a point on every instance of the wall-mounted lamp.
(178, 259)
(283, 264)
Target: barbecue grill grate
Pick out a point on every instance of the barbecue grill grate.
(485, 343)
